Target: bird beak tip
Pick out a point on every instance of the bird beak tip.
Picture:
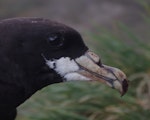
(125, 85)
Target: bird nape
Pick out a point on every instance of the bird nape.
(36, 52)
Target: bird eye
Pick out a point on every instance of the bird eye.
(55, 40)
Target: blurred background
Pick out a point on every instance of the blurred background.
(118, 31)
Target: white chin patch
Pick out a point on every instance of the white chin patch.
(66, 68)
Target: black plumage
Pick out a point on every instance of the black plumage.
(23, 71)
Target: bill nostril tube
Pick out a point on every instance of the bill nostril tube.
(99, 63)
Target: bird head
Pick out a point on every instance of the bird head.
(62, 49)
(70, 58)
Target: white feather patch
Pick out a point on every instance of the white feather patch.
(67, 68)
(65, 65)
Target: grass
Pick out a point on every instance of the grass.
(78, 101)
(94, 101)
